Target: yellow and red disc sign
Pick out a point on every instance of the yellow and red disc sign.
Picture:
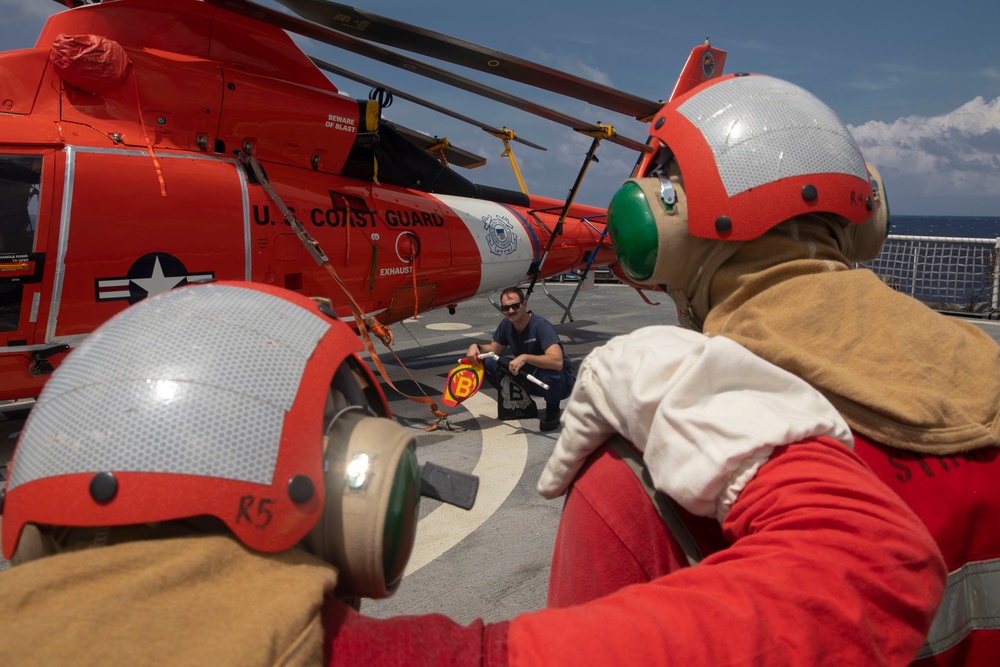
(463, 382)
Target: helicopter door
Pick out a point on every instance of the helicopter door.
(132, 228)
(21, 257)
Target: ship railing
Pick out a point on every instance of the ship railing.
(949, 274)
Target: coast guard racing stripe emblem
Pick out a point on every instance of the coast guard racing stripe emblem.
(501, 238)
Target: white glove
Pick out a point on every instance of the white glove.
(705, 412)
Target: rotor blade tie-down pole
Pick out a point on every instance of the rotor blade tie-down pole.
(506, 136)
(586, 271)
(438, 149)
(606, 132)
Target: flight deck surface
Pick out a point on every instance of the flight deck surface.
(492, 561)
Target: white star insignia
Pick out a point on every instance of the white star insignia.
(158, 282)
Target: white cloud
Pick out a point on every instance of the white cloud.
(876, 83)
(573, 65)
(941, 161)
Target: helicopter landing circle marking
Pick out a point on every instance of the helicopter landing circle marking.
(448, 326)
(501, 464)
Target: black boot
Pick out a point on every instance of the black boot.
(550, 421)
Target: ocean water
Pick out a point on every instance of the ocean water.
(975, 227)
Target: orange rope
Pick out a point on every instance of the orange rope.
(382, 332)
(416, 299)
(363, 324)
(145, 137)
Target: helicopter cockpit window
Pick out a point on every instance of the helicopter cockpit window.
(20, 182)
(20, 179)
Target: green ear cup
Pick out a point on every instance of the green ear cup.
(401, 517)
(633, 231)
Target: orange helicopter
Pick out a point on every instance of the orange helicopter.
(146, 145)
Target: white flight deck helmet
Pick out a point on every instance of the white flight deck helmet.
(238, 401)
(734, 157)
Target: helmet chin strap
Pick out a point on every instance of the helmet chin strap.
(685, 312)
(692, 294)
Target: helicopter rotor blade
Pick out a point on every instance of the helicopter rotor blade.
(456, 156)
(340, 71)
(361, 47)
(390, 32)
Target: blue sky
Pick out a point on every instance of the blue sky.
(918, 83)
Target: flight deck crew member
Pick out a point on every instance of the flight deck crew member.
(212, 477)
(755, 234)
(537, 351)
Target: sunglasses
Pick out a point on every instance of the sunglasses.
(511, 306)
